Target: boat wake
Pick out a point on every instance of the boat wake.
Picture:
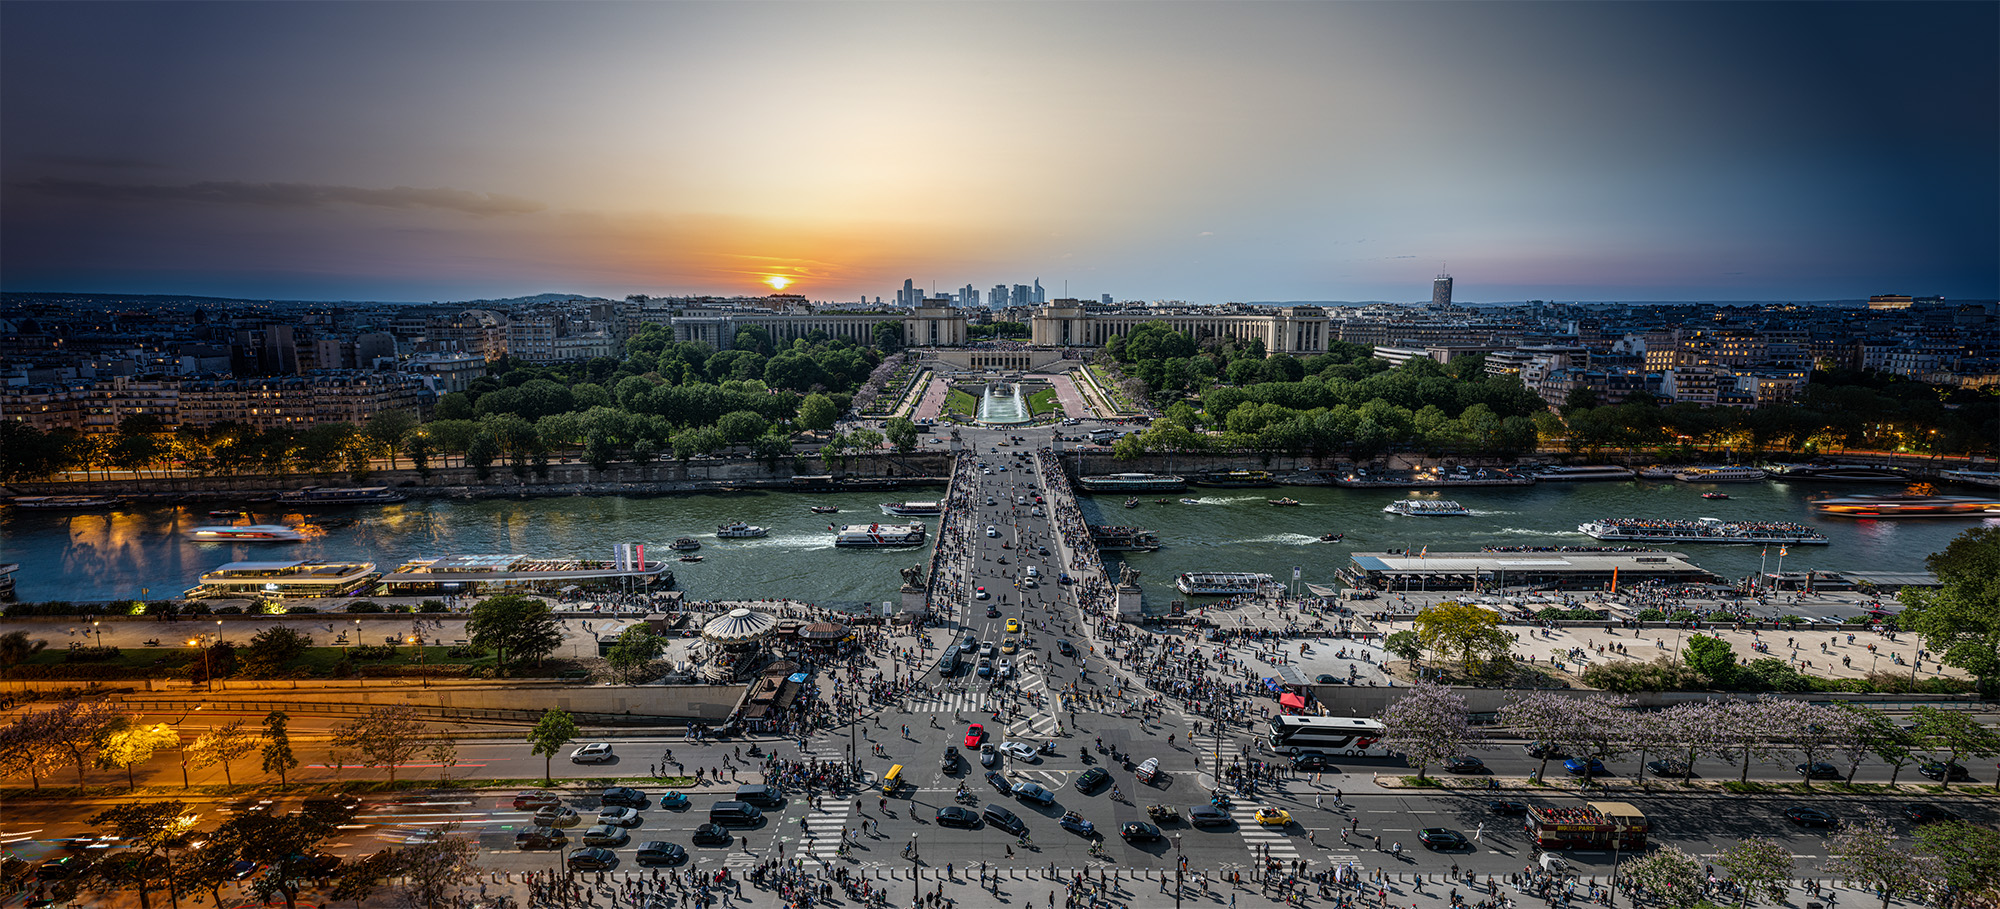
(1284, 539)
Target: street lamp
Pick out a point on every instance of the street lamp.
(200, 641)
(1180, 862)
(97, 626)
(916, 886)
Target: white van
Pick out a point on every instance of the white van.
(1034, 572)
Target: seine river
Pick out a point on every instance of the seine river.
(136, 552)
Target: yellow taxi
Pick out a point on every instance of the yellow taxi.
(1013, 626)
(1009, 646)
(1273, 817)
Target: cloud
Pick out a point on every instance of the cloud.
(1206, 233)
(99, 162)
(290, 195)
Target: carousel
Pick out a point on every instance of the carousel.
(736, 644)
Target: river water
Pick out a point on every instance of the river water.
(133, 552)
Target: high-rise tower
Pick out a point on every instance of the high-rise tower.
(1441, 290)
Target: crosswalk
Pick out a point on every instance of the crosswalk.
(1262, 841)
(823, 830)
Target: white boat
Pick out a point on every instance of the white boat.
(314, 578)
(247, 533)
(1908, 506)
(1221, 583)
(1190, 501)
(351, 495)
(1132, 482)
(1704, 530)
(912, 509)
(1560, 474)
(65, 501)
(862, 536)
(1734, 474)
(741, 531)
(1655, 472)
(1425, 508)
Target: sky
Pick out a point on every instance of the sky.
(1191, 151)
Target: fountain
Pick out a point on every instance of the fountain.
(1001, 403)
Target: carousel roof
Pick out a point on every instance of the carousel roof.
(823, 631)
(740, 626)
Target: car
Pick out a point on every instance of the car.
(1009, 646)
(1208, 816)
(1092, 778)
(1033, 571)
(1075, 823)
(1031, 583)
(1006, 669)
(973, 734)
(980, 594)
(593, 753)
(1923, 813)
(989, 756)
(992, 531)
(1013, 626)
(1042, 551)
(1064, 647)
(968, 645)
(592, 858)
(605, 835)
(1273, 817)
(1465, 763)
(343, 806)
(1936, 770)
(1582, 765)
(949, 763)
(1138, 832)
(1004, 819)
(1807, 816)
(1508, 809)
(986, 649)
(628, 797)
(558, 816)
(535, 798)
(989, 499)
(712, 835)
(657, 852)
(1312, 760)
(992, 612)
(620, 817)
(1034, 792)
(1441, 838)
(1544, 750)
(1668, 767)
(539, 838)
(956, 816)
(1326, 678)
(63, 868)
(1818, 770)
(994, 779)
(1020, 751)
(673, 801)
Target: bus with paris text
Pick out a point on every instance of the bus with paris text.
(1345, 735)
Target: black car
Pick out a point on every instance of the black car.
(1441, 838)
(1139, 832)
(1807, 816)
(1465, 763)
(712, 835)
(592, 858)
(955, 816)
(1208, 816)
(536, 798)
(1544, 750)
(624, 797)
(1926, 814)
(1818, 770)
(540, 838)
(1936, 770)
(1667, 767)
(1004, 819)
(1092, 778)
(1508, 809)
(992, 612)
(1312, 760)
(661, 853)
(332, 806)
(999, 782)
(1064, 647)
(949, 762)
(62, 869)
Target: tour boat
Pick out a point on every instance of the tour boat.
(1715, 495)
(313, 578)
(1908, 506)
(691, 558)
(1132, 482)
(493, 573)
(1190, 501)
(737, 530)
(1110, 538)
(1734, 474)
(1843, 473)
(1131, 503)
(862, 536)
(1287, 502)
(912, 509)
(1221, 583)
(1704, 530)
(1235, 478)
(685, 544)
(1426, 508)
(65, 501)
(1563, 474)
(825, 509)
(247, 533)
(352, 495)
(1331, 537)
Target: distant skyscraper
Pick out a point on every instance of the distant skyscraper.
(1041, 296)
(909, 296)
(998, 298)
(1441, 290)
(1106, 299)
(968, 296)
(1023, 295)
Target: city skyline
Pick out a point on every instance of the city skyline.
(1338, 151)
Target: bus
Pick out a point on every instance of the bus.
(1352, 736)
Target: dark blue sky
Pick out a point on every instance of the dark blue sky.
(1605, 151)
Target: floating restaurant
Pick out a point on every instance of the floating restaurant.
(285, 579)
(473, 574)
(1489, 570)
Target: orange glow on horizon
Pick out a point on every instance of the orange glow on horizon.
(777, 282)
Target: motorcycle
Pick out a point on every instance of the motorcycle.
(754, 751)
(1048, 748)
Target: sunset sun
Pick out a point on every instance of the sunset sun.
(777, 282)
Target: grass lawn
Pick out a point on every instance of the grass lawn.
(959, 402)
(1042, 402)
(1112, 392)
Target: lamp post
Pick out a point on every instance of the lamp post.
(1180, 861)
(97, 626)
(200, 641)
(357, 633)
(916, 886)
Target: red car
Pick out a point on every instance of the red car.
(973, 734)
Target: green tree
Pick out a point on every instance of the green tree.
(16, 647)
(901, 433)
(388, 429)
(636, 647)
(552, 732)
(1712, 658)
(1960, 619)
(76, 729)
(1758, 864)
(131, 744)
(1952, 734)
(1406, 644)
(1868, 853)
(1464, 632)
(887, 335)
(515, 628)
(278, 757)
(272, 648)
(224, 745)
(151, 831)
(284, 844)
(384, 737)
(1969, 856)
